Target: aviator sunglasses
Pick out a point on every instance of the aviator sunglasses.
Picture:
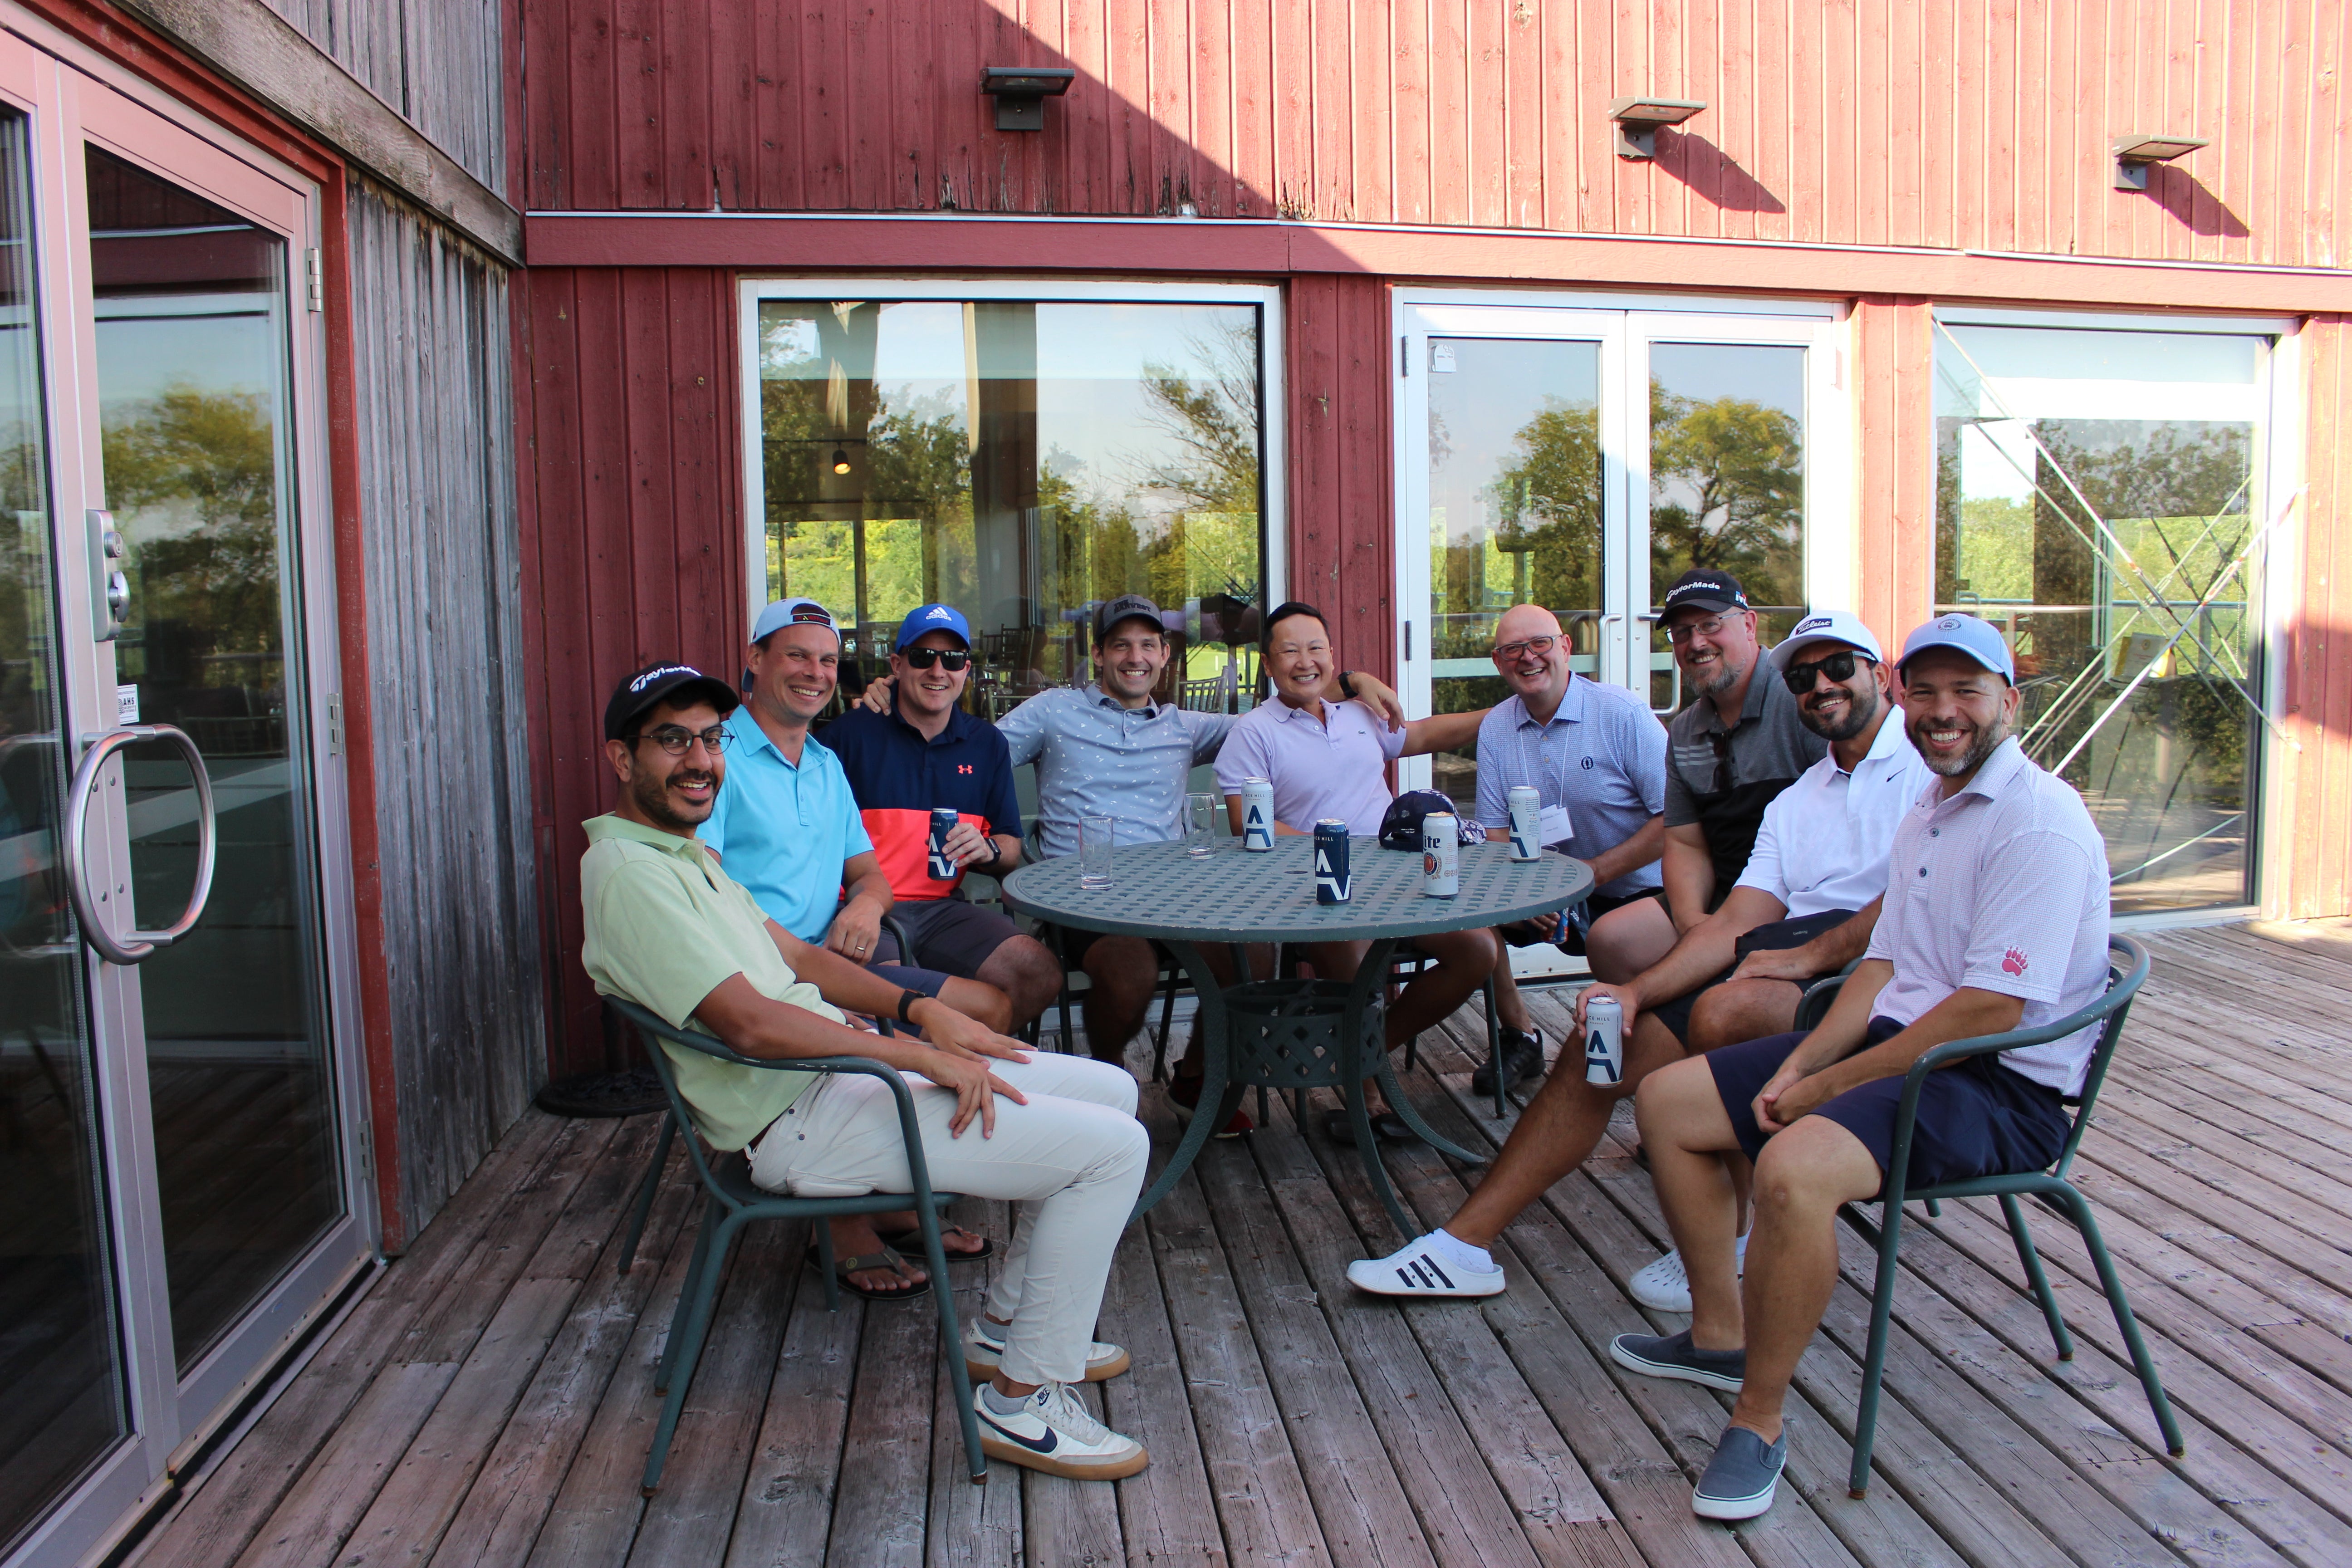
(1838, 667)
(952, 657)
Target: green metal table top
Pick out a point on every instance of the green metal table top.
(1233, 895)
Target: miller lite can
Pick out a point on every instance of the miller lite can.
(1604, 1040)
(1527, 818)
(1441, 856)
(943, 866)
(1258, 814)
(1331, 873)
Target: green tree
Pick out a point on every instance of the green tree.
(210, 457)
(1728, 491)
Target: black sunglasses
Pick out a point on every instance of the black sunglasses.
(947, 658)
(1838, 667)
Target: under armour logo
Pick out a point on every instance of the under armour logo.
(963, 767)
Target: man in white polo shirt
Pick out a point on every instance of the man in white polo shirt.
(1812, 880)
(1995, 919)
(1328, 761)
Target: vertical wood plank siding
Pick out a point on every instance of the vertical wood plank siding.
(439, 63)
(1342, 547)
(632, 507)
(462, 943)
(1968, 125)
(2318, 653)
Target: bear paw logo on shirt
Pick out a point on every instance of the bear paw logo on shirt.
(2013, 962)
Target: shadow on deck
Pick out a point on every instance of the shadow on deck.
(489, 1400)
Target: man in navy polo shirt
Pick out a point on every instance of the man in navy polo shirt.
(927, 753)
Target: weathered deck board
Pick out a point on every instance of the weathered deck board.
(489, 1400)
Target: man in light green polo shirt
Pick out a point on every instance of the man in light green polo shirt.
(667, 928)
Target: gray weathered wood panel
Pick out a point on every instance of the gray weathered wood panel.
(462, 951)
(439, 62)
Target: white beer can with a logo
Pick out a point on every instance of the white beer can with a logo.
(1441, 856)
(1526, 822)
(1258, 814)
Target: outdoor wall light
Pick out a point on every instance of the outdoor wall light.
(1021, 92)
(2136, 152)
(1638, 120)
(841, 459)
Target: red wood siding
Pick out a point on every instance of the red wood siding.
(631, 501)
(2317, 789)
(1342, 548)
(1895, 494)
(1970, 125)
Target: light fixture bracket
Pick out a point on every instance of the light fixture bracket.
(1638, 118)
(1021, 92)
(2135, 150)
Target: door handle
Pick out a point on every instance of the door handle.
(137, 946)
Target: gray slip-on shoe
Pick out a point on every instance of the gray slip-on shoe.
(1742, 1477)
(1674, 1355)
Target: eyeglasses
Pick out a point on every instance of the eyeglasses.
(1511, 652)
(1705, 628)
(945, 657)
(1838, 667)
(674, 739)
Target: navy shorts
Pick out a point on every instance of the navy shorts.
(1976, 1117)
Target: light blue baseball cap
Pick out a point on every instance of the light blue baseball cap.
(792, 613)
(932, 618)
(1980, 640)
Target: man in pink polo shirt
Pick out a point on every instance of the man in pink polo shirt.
(1329, 761)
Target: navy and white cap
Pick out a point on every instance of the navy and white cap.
(1704, 588)
(1833, 626)
(1980, 640)
(792, 613)
(662, 682)
(925, 618)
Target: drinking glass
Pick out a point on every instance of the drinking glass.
(1199, 825)
(1094, 853)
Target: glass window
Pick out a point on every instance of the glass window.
(1024, 461)
(2097, 499)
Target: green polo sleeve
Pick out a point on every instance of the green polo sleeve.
(651, 946)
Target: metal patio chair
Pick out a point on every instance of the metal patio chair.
(2127, 968)
(732, 1202)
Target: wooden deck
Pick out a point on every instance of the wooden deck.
(490, 1402)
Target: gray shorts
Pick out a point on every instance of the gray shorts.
(952, 935)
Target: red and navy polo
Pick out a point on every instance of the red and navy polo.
(898, 777)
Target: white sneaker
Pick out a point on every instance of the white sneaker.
(1419, 1269)
(983, 1353)
(1052, 1432)
(1664, 1286)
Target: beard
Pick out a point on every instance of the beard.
(1725, 676)
(1985, 742)
(1858, 717)
(653, 798)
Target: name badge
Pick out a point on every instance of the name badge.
(1553, 826)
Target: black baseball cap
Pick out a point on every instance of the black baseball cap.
(1127, 607)
(662, 682)
(1704, 588)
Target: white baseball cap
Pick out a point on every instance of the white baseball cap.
(1830, 625)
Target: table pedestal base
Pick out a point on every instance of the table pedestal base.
(1295, 1034)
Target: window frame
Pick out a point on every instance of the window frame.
(1274, 522)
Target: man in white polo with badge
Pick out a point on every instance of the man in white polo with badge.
(1995, 919)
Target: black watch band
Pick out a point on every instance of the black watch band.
(1347, 683)
(907, 999)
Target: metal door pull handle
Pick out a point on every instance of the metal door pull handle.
(138, 946)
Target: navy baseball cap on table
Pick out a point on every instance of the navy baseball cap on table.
(1704, 588)
(662, 682)
(1980, 640)
(1401, 824)
(1127, 607)
(925, 618)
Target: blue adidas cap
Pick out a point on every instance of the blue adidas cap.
(932, 618)
(1980, 640)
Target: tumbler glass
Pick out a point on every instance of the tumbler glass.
(1200, 825)
(1094, 853)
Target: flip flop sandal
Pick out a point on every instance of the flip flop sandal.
(912, 1241)
(843, 1268)
(1338, 1127)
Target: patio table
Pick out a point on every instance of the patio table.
(1292, 1034)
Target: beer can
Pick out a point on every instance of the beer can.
(943, 866)
(1258, 814)
(1527, 818)
(1441, 856)
(1604, 1040)
(1331, 873)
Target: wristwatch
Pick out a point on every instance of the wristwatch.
(1347, 683)
(907, 999)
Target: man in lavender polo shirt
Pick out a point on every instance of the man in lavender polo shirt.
(1329, 760)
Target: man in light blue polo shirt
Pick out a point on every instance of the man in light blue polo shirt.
(787, 828)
